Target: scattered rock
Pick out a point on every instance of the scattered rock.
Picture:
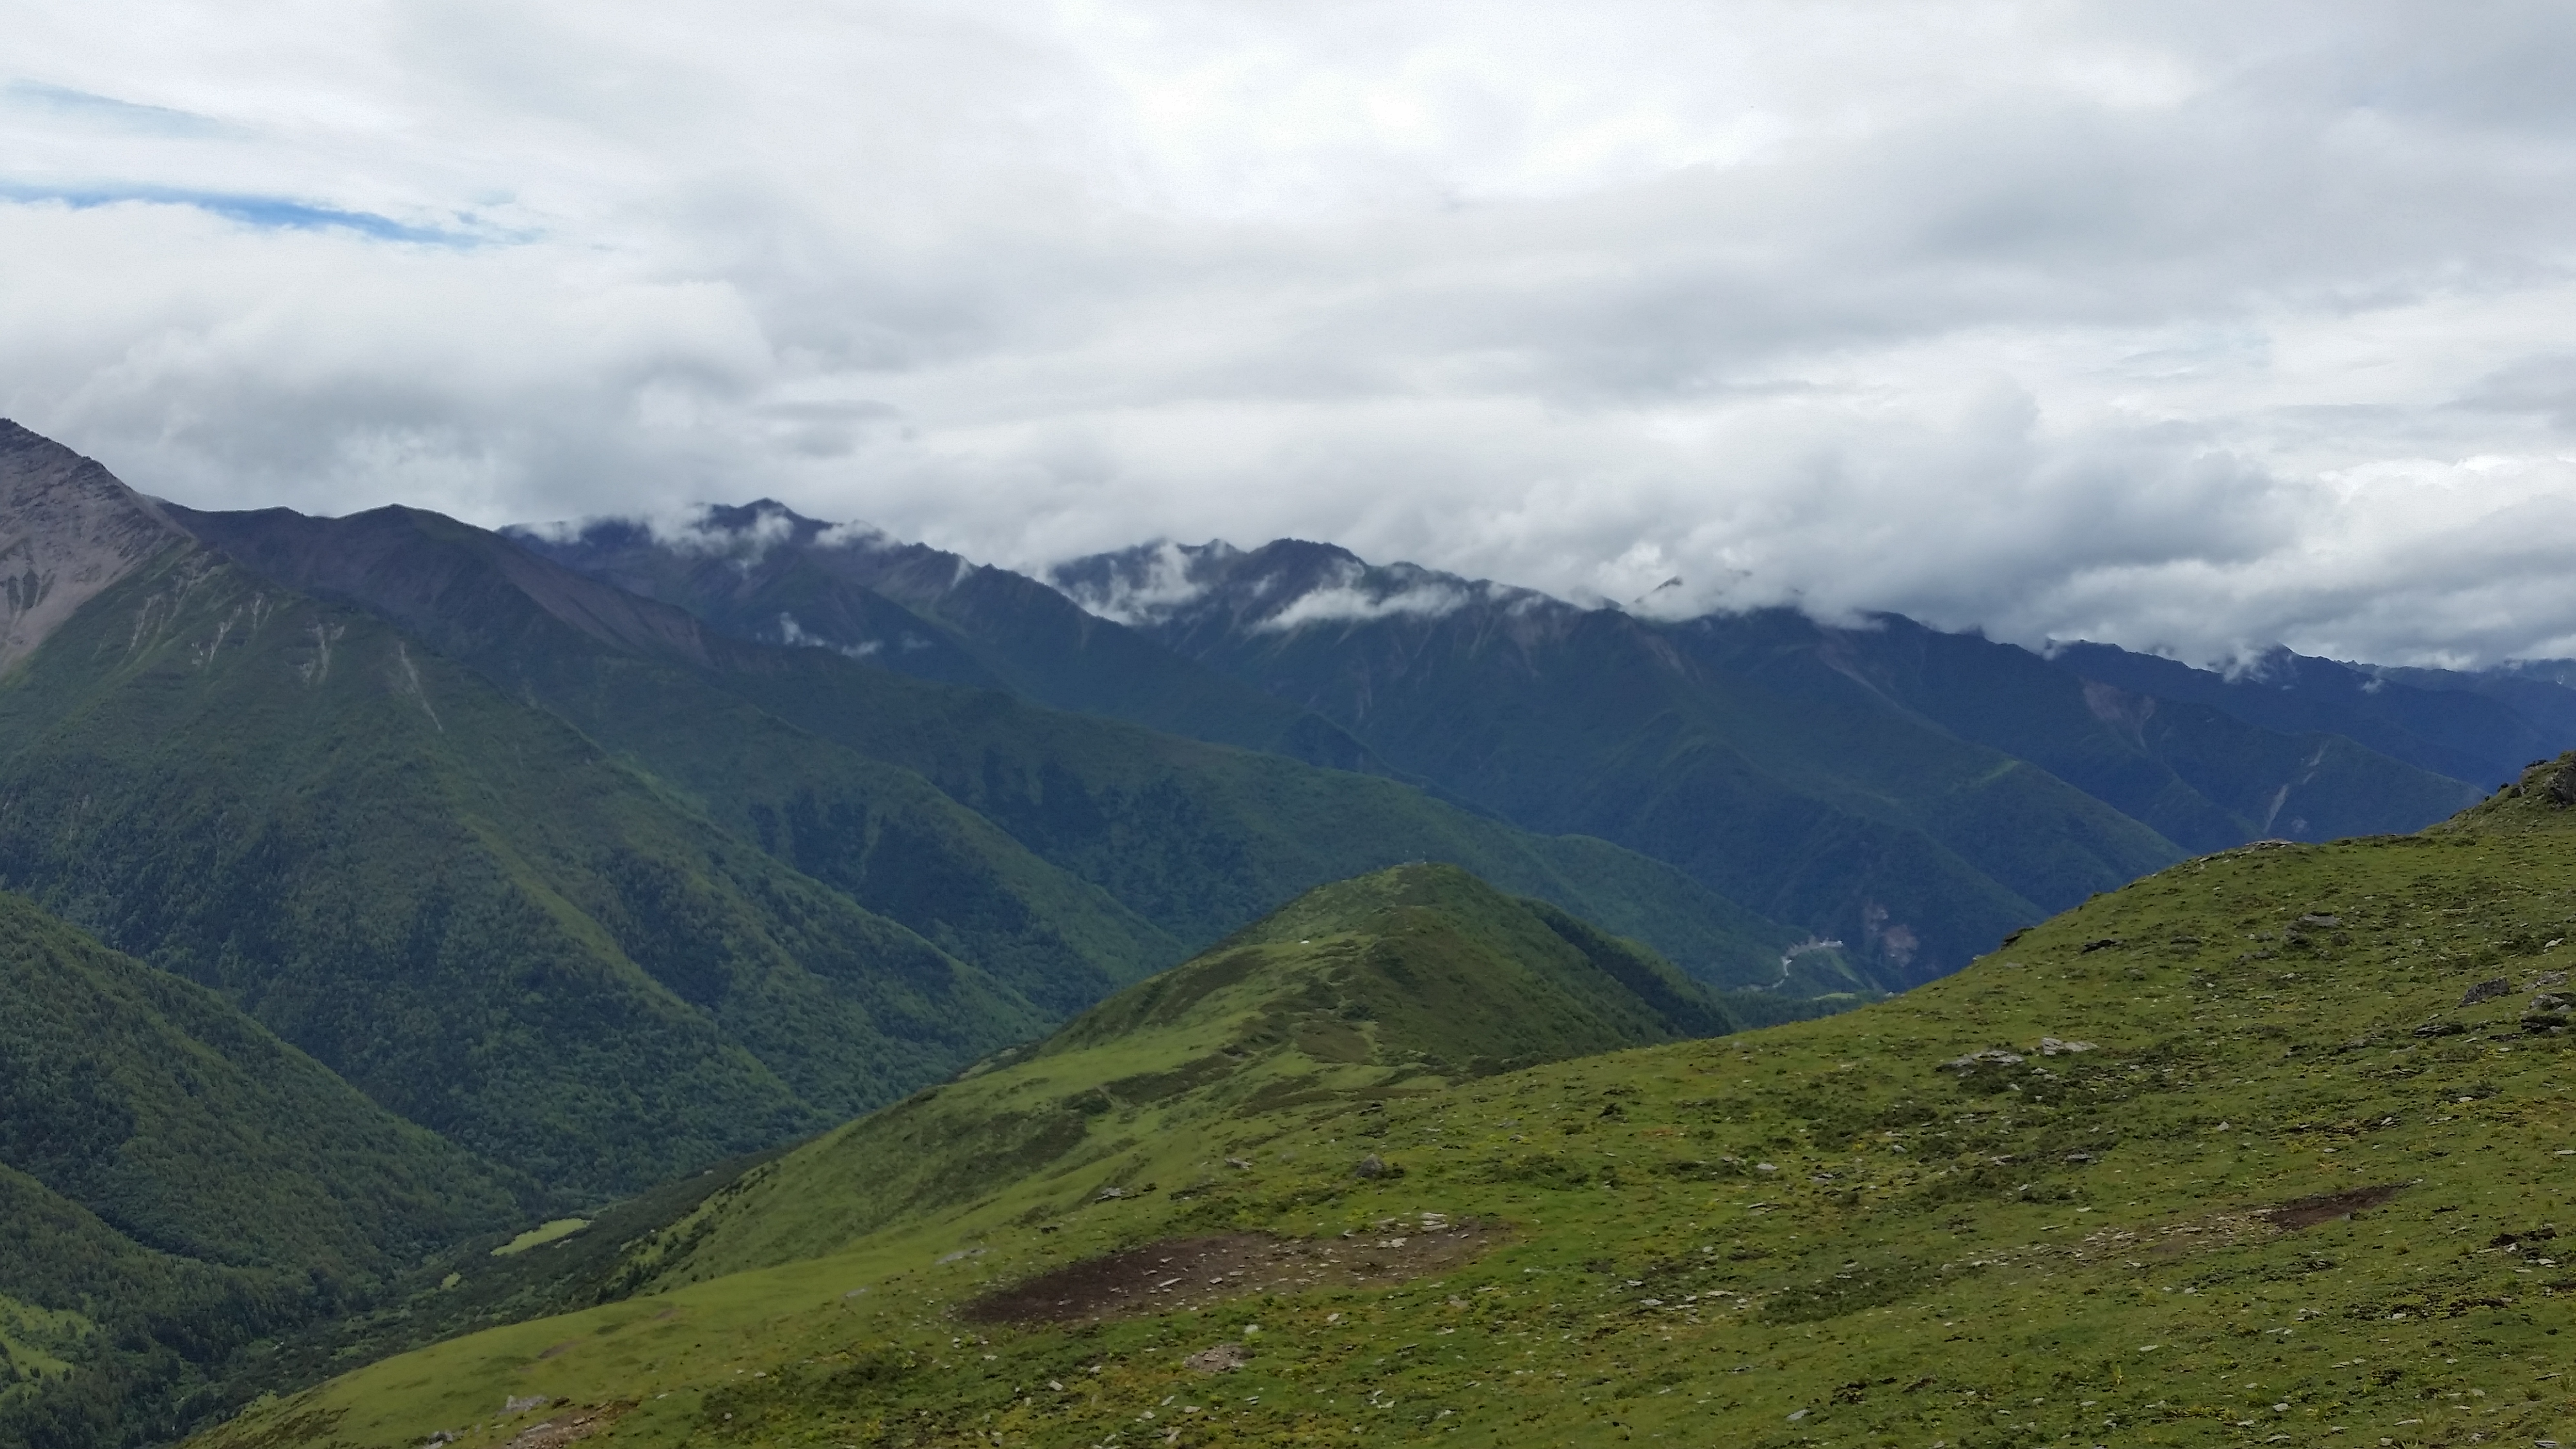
(2319, 919)
(443, 1436)
(2548, 979)
(1991, 1056)
(963, 1253)
(1244, 1163)
(2079, 1157)
(2440, 1028)
(2105, 944)
(2487, 991)
(2050, 1046)
(521, 1406)
(1225, 1358)
(1109, 1193)
(1371, 1166)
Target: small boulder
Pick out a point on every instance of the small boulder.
(2548, 979)
(2320, 919)
(1225, 1358)
(1370, 1166)
(2486, 991)
(1990, 1057)
(2050, 1046)
(2440, 1028)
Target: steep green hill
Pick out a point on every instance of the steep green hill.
(2270, 1147)
(1415, 975)
(178, 1184)
(458, 903)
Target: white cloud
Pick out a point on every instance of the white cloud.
(2191, 325)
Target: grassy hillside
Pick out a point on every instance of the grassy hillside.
(2272, 1146)
(177, 1185)
(458, 903)
(1416, 975)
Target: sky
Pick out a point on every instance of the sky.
(2195, 327)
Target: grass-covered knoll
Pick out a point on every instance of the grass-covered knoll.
(463, 906)
(1394, 982)
(177, 1185)
(2307, 1181)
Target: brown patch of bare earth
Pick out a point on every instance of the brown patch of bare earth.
(570, 1426)
(2307, 1212)
(2241, 1225)
(1179, 1274)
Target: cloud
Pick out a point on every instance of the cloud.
(2196, 326)
(1347, 600)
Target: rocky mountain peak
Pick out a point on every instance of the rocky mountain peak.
(68, 529)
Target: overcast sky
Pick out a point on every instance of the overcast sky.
(2193, 326)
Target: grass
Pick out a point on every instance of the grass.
(1820, 1233)
(540, 1235)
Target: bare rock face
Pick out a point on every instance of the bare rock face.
(68, 529)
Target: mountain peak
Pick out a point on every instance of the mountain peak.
(68, 529)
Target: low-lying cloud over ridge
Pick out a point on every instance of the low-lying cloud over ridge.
(2197, 326)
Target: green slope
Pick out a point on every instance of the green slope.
(634, 676)
(176, 1185)
(457, 902)
(1392, 982)
(2305, 1181)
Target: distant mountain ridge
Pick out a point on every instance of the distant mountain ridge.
(1910, 793)
(1905, 789)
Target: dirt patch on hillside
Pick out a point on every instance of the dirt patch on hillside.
(568, 1426)
(1179, 1274)
(2307, 1212)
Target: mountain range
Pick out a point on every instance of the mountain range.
(383, 886)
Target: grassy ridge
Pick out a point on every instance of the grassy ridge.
(2304, 1179)
(1395, 981)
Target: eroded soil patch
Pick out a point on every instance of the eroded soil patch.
(570, 1425)
(1184, 1273)
(2307, 1212)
